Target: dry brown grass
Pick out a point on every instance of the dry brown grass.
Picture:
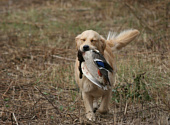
(37, 53)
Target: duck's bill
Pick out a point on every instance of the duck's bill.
(90, 77)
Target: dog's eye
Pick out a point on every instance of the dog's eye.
(92, 40)
(83, 40)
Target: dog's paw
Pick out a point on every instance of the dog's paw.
(103, 111)
(95, 107)
(94, 110)
(91, 116)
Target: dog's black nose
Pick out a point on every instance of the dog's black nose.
(85, 47)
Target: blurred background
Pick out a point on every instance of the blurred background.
(37, 53)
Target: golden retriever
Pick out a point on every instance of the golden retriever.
(91, 92)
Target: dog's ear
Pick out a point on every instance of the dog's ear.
(117, 42)
(103, 41)
(77, 39)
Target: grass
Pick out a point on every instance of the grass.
(37, 52)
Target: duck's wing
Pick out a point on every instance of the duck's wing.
(91, 78)
(100, 61)
(104, 73)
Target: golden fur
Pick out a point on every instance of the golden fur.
(90, 92)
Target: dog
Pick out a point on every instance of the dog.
(90, 92)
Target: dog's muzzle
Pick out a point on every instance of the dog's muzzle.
(86, 48)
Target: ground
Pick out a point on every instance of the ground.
(37, 53)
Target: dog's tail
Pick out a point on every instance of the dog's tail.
(118, 41)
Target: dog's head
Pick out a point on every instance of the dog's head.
(90, 39)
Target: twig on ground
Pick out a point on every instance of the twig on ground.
(15, 118)
(126, 108)
(62, 58)
(8, 88)
(49, 102)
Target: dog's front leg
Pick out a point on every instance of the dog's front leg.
(95, 105)
(104, 106)
(88, 102)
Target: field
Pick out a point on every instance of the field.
(37, 53)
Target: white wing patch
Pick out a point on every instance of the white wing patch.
(90, 77)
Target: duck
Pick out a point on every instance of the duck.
(95, 67)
